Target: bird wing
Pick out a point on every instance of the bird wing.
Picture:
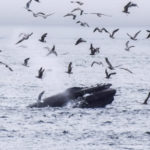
(108, 62)
(20, 40)
(126, 70)
(129, 35)
(136, 34)
(115, 32)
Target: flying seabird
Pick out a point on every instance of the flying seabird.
(100, 30)
(80, 40)
(83, 24)
(77, 2)
(72, 15)
(25, 37)
(40, 73)
(93, 50)
(108, 75)
(135, 35)
(78, 9)
(26, 62)
(148, 96)
(127, 6)
(40, 96)
(37, 1)
(6, 66)
(51, 51)
(128, 47)
(111, 35)
(41, 14)
(69, 68)
(95, 62)
(42, 39)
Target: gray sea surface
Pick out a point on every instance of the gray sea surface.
(122, 125)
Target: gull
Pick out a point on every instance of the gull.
(108, 75)
(127, 6)
(100, 14)
(41, 14)
(128, 47)
(83, 24)
(100, 30)
(95, 62)
(26, 62)
(111, 35)
(40, 96)
(25, 37)
(93, 50)
(51, 51)
(113, 67)
(80, 40)
(148, 96)
(135, 35)
(40, 73)
(72, 15)
(69, 68)
(6, 66)
(148, 36)
(78, 9)
(42, 39)
(78, 2)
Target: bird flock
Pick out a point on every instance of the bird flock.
(110, 70)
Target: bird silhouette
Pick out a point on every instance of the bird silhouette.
(127, 6)
(25, 37)
(100, 30)
(108, 75)
(100, 14)
(128, 47)
(10, 69)
(77, 2)
(148, 96)
(41, 14)
(26, 62)
(80, 40)
(135, 36)
(95, 62)
(51, 51)
(111, 35)
(42, 39)
(93, 50)
(72, 15)
(69, 71)
(40, 96)
(148, 36)
(83, 24)
(40, 73)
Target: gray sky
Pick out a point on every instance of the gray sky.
(12, 12)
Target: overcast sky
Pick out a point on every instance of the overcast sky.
(12, 12)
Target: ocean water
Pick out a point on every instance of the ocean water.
(122, 125)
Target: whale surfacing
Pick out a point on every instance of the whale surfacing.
(89, 97)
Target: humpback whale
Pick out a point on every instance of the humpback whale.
(84, 97)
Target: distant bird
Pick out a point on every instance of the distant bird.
(148, 96)
(40, 73)
(69, 68)
(148, 36)
(80, 40)
(42, 39)
(77, 2)
(78, 9)
(134, 37)
(41, 14)
(127, 6)
(111, 35)
(25, 37)
(108, 75)
(70, 14)
(100, 30)
(28, 5)
(83, 24)
(100, 14)
(128, 47)
(26, 62)
(51, 51)
(40, 96)
(93, 50)
(10, 69)
(95, 62)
